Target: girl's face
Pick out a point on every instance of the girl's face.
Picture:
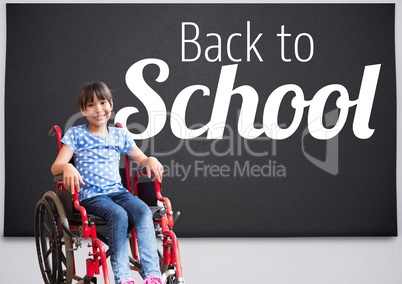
(98, 113)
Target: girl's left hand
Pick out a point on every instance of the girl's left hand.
(152, 165)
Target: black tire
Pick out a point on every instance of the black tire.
(53, 244)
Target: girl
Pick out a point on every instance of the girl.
(96, 149)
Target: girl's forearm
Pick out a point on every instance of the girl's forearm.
(58, 168)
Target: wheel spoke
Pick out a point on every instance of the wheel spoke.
(48, 253)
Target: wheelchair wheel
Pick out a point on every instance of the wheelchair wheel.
(53, 244)
(169, 277)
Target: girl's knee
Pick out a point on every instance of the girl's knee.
(118, 215)
(142, 213)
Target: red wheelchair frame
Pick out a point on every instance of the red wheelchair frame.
(61, 223)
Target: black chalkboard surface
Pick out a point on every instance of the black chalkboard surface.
(271, 120)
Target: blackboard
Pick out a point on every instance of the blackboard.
(272, 120)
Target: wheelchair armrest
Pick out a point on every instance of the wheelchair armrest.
(76, 204)
(58, 178)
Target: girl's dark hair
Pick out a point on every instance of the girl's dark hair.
(88, 90)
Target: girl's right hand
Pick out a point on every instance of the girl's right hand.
(72, 178)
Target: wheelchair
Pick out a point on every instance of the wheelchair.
(61, 224)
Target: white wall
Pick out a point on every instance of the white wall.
(275, 261)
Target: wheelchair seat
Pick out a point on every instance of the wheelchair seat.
(73, 215)
(146, 193)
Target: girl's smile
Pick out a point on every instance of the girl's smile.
(99, 116)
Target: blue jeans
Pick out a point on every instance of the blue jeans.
(118, 209)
